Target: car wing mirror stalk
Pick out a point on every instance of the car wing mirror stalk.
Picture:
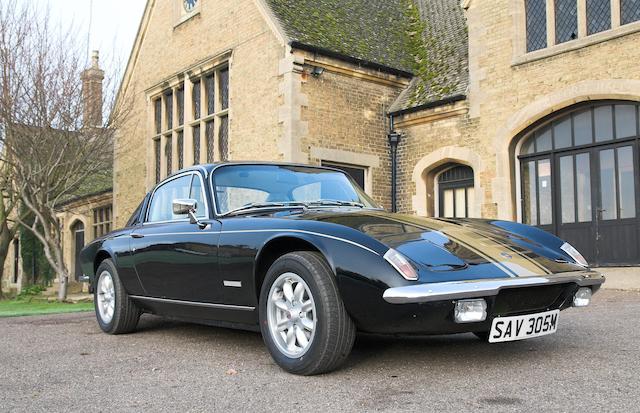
(188, 207)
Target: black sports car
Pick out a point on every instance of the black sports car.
(303, 255)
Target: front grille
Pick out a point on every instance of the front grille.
(513, 301)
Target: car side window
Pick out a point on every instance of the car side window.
(161, 208)
(197, 193)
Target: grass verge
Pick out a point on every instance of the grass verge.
(34, 306)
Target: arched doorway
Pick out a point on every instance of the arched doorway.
(77, 230)
(579, 179)
(456, 191)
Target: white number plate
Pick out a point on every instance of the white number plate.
(523, 326)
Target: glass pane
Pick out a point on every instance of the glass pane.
(566, 20)
(471, 193)
(625, 121)
(598, 16)
(461, 203)
(608, 201)
(168, 103)
(626, 182)
(582, 128)
(536, 15)
(161, 205)
(529, 195)
(180, 150)
(196, 94)
(196, 144)
(583, 184)
(158, 115)
(604, 123)
(210, 141)
(528, 147)
(562, 133)
(223, 138)
(224, 88)
(156, 149)
(543, 140)
(567, 201)
(180, 103)
(198, 194)
(168, 149)
(544, 192)
(448, 204)
(629, 11)
(209, 83)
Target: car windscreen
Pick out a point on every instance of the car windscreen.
(236, 186)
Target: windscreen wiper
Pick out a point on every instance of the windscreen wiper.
(335, 202)
(260, 205)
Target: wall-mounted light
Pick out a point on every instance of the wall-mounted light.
(317, 71)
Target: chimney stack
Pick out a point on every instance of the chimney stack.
(92, 93)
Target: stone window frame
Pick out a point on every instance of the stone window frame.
(351, 159)
(185, 79)
(181, 15)
(521, 56)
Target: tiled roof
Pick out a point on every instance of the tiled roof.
(387, 33)
(446, 51)
(370, 30)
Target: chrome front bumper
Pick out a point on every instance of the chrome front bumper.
(453, 290)
(84, 278)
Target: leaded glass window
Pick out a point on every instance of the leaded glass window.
(629, 11)
(156, 150)
(180, 103)
(598, 16)
(168, 152)
(196, 93)
(157, 109)
(196, 144)
(168, 103)
(536, 15)
(180, 142)
(210, 87)
(223, 137)
(224, 88)
(210, 138)
(566, 20)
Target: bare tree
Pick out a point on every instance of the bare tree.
(51, 144)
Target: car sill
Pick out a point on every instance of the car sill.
(194, 303)
(429, 292)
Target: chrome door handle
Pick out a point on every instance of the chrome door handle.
(134, 235)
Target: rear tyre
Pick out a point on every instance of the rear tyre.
(302, 317)
(115, 311)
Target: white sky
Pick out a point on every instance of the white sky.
(114, 24)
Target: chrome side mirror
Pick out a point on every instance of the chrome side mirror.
(187, 207)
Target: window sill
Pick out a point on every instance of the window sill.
(186, 17)
(577, 44)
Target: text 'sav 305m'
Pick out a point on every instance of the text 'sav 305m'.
(303, 255)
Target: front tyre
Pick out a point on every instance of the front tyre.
(302, 318)
(115, 311)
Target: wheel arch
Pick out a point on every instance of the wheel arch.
(281, 245)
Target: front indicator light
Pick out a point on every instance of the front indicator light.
(401, 264)
(582, 298)
(574, 254)
(470, 311)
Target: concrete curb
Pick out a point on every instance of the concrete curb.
(621, 278)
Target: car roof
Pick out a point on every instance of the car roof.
(210, 167)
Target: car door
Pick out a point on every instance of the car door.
(174, 258)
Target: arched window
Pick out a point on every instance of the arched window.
(456, 191)
(579, 179)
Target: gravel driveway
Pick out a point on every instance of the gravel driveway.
(64, 362)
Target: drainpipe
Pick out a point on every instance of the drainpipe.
(394, 140)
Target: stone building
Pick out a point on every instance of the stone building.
(83, 216)
(523, 110)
